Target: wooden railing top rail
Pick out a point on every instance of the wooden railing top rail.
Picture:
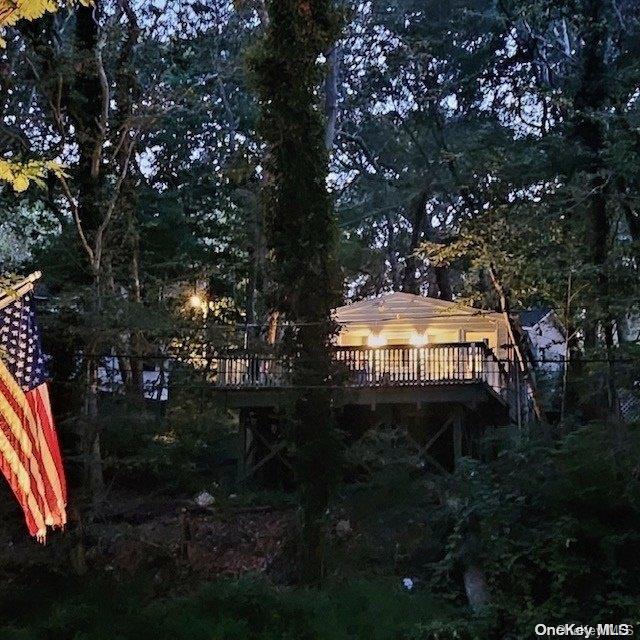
(364, 366)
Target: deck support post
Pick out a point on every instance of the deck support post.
(457, 422)
(245, 444)
(518, 398)
(257, 448)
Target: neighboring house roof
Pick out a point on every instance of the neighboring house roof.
(531, 317)
(403, 306)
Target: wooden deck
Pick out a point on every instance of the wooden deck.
(463, 373)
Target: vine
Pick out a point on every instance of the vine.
(302, 239)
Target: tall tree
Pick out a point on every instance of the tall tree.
(302, 238)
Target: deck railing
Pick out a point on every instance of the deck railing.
(369, 367)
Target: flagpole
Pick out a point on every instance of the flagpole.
(11, 294)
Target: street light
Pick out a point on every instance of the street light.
(199, 303)
(196, 301)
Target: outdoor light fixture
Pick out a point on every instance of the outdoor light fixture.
(196, 301)
(418, 339)
(376, 340)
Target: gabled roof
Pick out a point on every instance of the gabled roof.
(531, 317)
(403, 306)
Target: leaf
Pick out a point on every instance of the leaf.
(20, 174)
(13, 10)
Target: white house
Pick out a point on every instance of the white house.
(547, 338)
(155, 378)
(397, 319)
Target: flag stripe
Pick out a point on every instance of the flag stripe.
(19, 441)
(44, 410)
(20, 482)
(50, 452)
(12, 479)
(29, 452)
(44, 445)
(24, 444)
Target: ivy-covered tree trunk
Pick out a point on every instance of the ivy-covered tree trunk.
(74, 87)
(302, 236)
(85, 111)
(127, 93)
(591, 102)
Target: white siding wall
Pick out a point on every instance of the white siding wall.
(548, 342)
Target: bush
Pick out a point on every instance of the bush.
(227, 610)
(187, 449)
(557, 528)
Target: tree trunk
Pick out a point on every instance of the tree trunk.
(475, 586)
(443, 280)
(90, 438)
(590, 102)
(254, 281)
(392, 255)
(513, 336)
(85, 111)
(302, 235)
(127, 90)
(331, 95)
(419, 217)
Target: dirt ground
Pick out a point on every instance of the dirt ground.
(167, 536)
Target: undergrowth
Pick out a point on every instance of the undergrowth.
(105, 609)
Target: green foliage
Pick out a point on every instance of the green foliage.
(301, 227)
(191, 447)
(557, 539)
(225, 610)
(557, 527)
(301, 237)
(553, 525)
(21, 174)
(456, 628)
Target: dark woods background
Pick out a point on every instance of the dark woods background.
(468, 149)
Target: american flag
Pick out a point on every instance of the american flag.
(29, 452)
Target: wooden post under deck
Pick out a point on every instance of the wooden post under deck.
(457, 422)
(258, 449)
(246, 445)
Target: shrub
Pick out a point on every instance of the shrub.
(557, 527)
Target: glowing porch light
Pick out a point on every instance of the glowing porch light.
(196, 301)
(376, 340)
(418, 339)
